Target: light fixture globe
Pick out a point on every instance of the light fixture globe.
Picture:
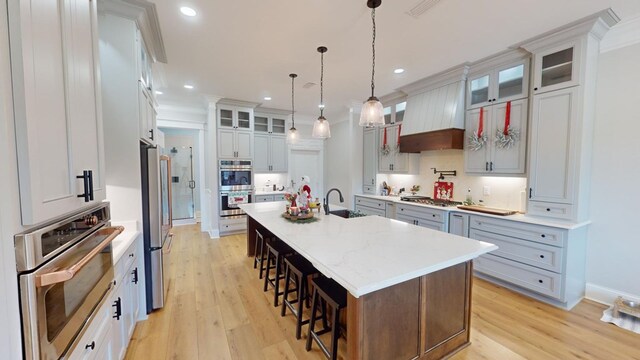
(372, 113)
(321, 127)
(292, 136)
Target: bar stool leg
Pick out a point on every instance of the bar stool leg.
(267, 270)
(262, 256)
(287, 278)
(301, 295)
(259, 241)
(277, 280)
(312, 321)
(335, 333)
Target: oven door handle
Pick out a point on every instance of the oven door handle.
(67, 274)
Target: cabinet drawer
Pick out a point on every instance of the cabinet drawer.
(531, 232)
(372, 203)
(279, 197)
(528, 277)
(264, 198)
(369, 189)
(124, 263)
(233, 225)
(371, 211)
(527, 252)
(422, 213)
(433, 225)
(97, 333)
(552, 210)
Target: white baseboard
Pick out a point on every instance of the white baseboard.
(182, 222)
(214, 234)
(605, 295)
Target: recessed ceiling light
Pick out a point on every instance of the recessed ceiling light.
(187, 86)
(398, 71)
(267, 98)
(159, 92)
(187, 11)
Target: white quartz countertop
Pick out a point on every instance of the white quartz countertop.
(368, 253)
(516, 217)
(122, 242)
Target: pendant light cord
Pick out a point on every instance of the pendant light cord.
(293, 109)
(321, 83)
(373, 47)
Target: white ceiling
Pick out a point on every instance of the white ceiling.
(245, 49)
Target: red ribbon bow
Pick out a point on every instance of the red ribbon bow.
(507, 118)
(481, 123)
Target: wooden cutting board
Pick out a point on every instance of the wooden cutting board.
(487, 210)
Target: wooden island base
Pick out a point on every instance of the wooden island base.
(423, 318)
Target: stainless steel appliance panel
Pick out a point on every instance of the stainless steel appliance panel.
(165, 197)
(155, 232)
(227, 209)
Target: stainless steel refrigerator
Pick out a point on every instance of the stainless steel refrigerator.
(156, 223)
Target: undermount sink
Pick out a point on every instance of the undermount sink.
(347, 214)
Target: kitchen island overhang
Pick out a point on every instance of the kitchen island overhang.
(409, 287)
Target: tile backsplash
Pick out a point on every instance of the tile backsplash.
(504, 192)
(261, 180)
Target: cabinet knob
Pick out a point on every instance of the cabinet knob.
(541, 256)
(131, 255)
(540, 281)
(91, 346)
(493, 100)
(543, 236)
(535, 89)
(434, 215)
(548, 209)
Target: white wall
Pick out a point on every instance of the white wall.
(10, 333)
(614, 241)
(343, 157)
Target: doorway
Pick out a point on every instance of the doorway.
(307, 162)
(181, 146)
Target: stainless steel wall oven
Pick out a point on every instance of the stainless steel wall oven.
(65, 273)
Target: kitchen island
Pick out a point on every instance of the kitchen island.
(409, 288)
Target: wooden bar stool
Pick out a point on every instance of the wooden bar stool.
(301, 269)
(276, 252)
(259, 256)
(327, 291)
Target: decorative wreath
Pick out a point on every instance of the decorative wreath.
(385, 149)
(507, 139)
(477, 142)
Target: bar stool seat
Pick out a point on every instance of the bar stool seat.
(276, 252)
(327, 291)
(301, 269)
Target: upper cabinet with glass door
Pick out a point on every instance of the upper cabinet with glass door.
(498, 79)
(394, 113)
(269, 124)
(556, 68)
(233, 117)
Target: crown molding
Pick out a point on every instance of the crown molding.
(446, 77)
(234, 102)
(271, 111)
(145, 15)
(625, 33)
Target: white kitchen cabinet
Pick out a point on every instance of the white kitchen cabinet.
(58, 114)
(97, 341)
(234, 117)
(371, 206)
(557, 67)
(235, 144)
(394, 161)
(263, 198)
(565, 66)
(541, 261)
(422, 216)
(493, 81)
(491, 158)
(270, 153)
(269, 124)
(370, 157)
(147, 114)
(459, 224)
(554, 146)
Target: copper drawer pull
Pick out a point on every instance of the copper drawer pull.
(68, 274)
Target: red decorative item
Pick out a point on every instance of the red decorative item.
(443, 190)
(481, 123)
(507, 119)
(384, 138)
(399, 130)
(308, 190)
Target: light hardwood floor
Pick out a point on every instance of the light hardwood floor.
(216, 309)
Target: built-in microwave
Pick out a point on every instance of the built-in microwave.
(235, 175)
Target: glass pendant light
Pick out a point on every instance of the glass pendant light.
(321, 128)
(292, 135)
(372, 110)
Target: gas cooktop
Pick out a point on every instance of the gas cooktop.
(429, 201)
